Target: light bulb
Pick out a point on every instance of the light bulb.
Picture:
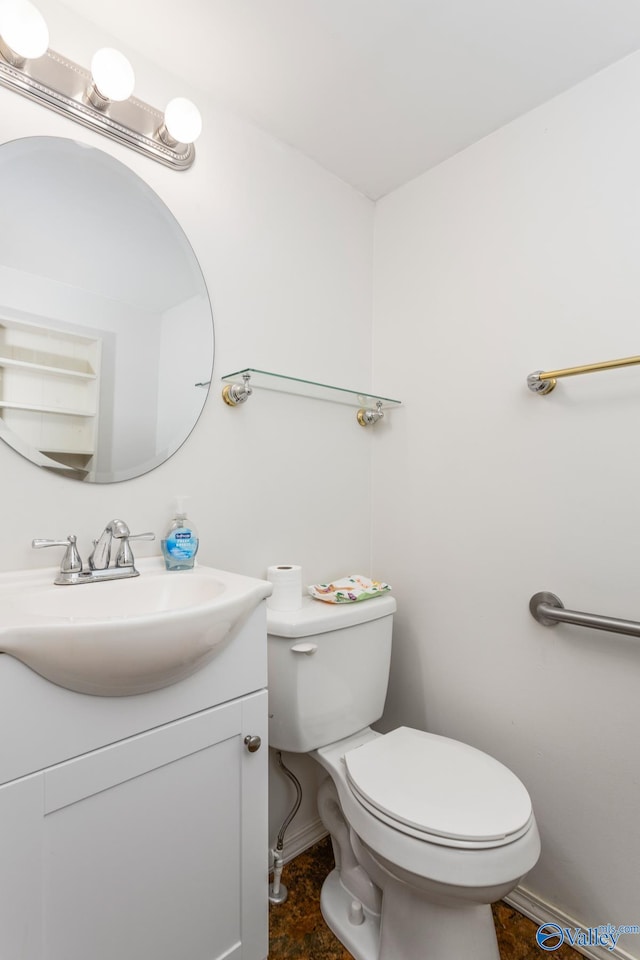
(112, 74)
(23, 30)
(182, 120)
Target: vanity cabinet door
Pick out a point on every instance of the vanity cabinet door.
(153, 848)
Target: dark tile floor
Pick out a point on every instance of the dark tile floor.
(298, 932)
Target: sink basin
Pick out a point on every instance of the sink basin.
(123, 637)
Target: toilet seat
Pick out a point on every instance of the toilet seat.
(438, 790)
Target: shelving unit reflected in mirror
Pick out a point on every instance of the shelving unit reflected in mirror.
(49, 386)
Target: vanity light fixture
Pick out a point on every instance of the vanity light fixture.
(182, 122)
(24, 34)
(101, 99)
(112, 78)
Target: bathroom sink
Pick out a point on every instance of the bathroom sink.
(123, 637)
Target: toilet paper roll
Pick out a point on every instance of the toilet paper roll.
(287, 587)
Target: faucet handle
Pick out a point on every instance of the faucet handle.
(124, 556)
(71, 562)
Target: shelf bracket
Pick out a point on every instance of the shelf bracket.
(366, 416)
(235, 393)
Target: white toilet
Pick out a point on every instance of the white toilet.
(426, 831)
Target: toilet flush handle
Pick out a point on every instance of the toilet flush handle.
(307, 648)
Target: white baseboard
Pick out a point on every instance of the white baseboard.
(297, 841)
(541, 912)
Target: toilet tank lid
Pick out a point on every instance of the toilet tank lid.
(316, 616)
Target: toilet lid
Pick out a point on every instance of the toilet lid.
(437, 786)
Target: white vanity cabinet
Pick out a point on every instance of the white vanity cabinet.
(151, 844)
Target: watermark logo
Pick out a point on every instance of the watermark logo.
(550, 936)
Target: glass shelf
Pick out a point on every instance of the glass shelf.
(262, 379)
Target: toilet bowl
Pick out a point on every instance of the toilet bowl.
(438, 870)
(427, 831)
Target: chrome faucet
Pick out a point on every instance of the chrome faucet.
(71, 568)
(100, 556)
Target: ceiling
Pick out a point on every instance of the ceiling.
(376, 91)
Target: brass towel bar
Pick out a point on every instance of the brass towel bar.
(544, 381)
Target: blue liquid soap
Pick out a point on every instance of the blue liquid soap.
(180, 545)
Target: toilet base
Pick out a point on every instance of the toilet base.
(420, 930)
(362, 940)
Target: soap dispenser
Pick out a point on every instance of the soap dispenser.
(180, 544)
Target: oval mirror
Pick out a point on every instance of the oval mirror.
(106, 332)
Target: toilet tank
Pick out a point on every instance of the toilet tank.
(328, 670)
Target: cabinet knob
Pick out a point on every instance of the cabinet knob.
(252, 743)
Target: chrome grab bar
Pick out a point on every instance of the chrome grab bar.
(549, 610)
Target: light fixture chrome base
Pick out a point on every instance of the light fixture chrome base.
(62, 85)
(235, 393)
(536, 385)
(366, 416)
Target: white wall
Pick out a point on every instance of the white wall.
(286, 253)
(519, 254)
